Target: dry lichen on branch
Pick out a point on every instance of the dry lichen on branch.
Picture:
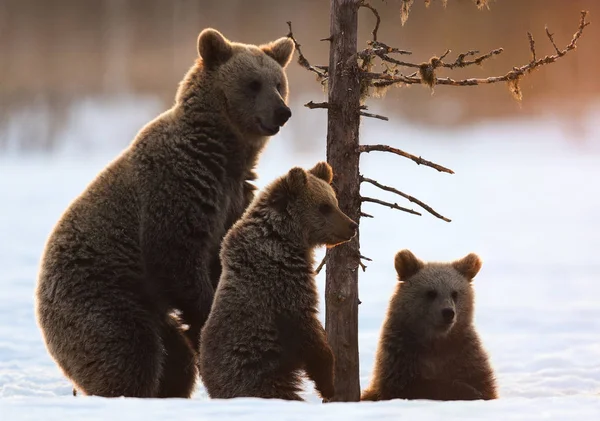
(427, 72)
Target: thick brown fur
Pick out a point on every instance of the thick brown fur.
(143, 239)
(263, 329)
(429, 348)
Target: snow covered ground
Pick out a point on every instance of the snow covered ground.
(523, 197)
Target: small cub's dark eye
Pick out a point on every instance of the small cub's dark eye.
(431, 294)
(454, 295)
(255, 85)
(325, 208)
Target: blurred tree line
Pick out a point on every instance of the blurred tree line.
(55, 52)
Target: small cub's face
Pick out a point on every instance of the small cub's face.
(439, 295)
(313, 207)
(252, 79)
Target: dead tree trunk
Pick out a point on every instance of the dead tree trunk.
(343, 120)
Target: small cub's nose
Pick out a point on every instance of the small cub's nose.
(282, 114)
(353, 225)
(448, 315)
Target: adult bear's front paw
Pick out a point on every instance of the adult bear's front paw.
(327, 391)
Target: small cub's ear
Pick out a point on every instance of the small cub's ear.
(213, 47)
(406, 264)
(468, 266)
(296, 180)
(280, 50)
(323, 171)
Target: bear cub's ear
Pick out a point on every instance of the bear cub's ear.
(468, 266)
(280, 50)
(323, 171)
(406, 264)
(296, 180)
(213, 47)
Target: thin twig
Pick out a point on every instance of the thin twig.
(312, 105)
(460, 60)
(406, 196)
(388, 204)
(323, 263)
(302, 61)
(380, 117)
(531, 46)
(365, 258)
(378, 45)
(365, 215)
(417, 159)
(551, 38)
(377, 17)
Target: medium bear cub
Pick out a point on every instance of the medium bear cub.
(263, 328)
(429, 348)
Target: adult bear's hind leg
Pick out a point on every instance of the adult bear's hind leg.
(109, 347)
(179, 372)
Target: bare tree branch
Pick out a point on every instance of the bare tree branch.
(365, 215)
(377, 17)
(417, 159)
(388, 204)
(406, 196)
(302, 61)
(320, 267)
(313, 105)
(380, 117)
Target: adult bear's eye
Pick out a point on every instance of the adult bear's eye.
(454, 295)
(325, 208)
(431, 294)
(255, 85)
(279, 87)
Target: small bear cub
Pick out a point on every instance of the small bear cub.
(263, 328)
(429, 348)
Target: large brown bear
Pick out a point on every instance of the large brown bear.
(429, 348)
(263, 329)
(142, 240)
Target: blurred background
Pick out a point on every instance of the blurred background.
(87, 74)
(79, 78)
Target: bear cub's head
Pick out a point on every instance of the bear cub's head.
(436, 297)
(305, 204)
(250, 80)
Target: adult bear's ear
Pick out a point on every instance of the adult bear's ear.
(406, 264)
(280, 50)
(213, 47)
(468, 266)
(323, 171)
